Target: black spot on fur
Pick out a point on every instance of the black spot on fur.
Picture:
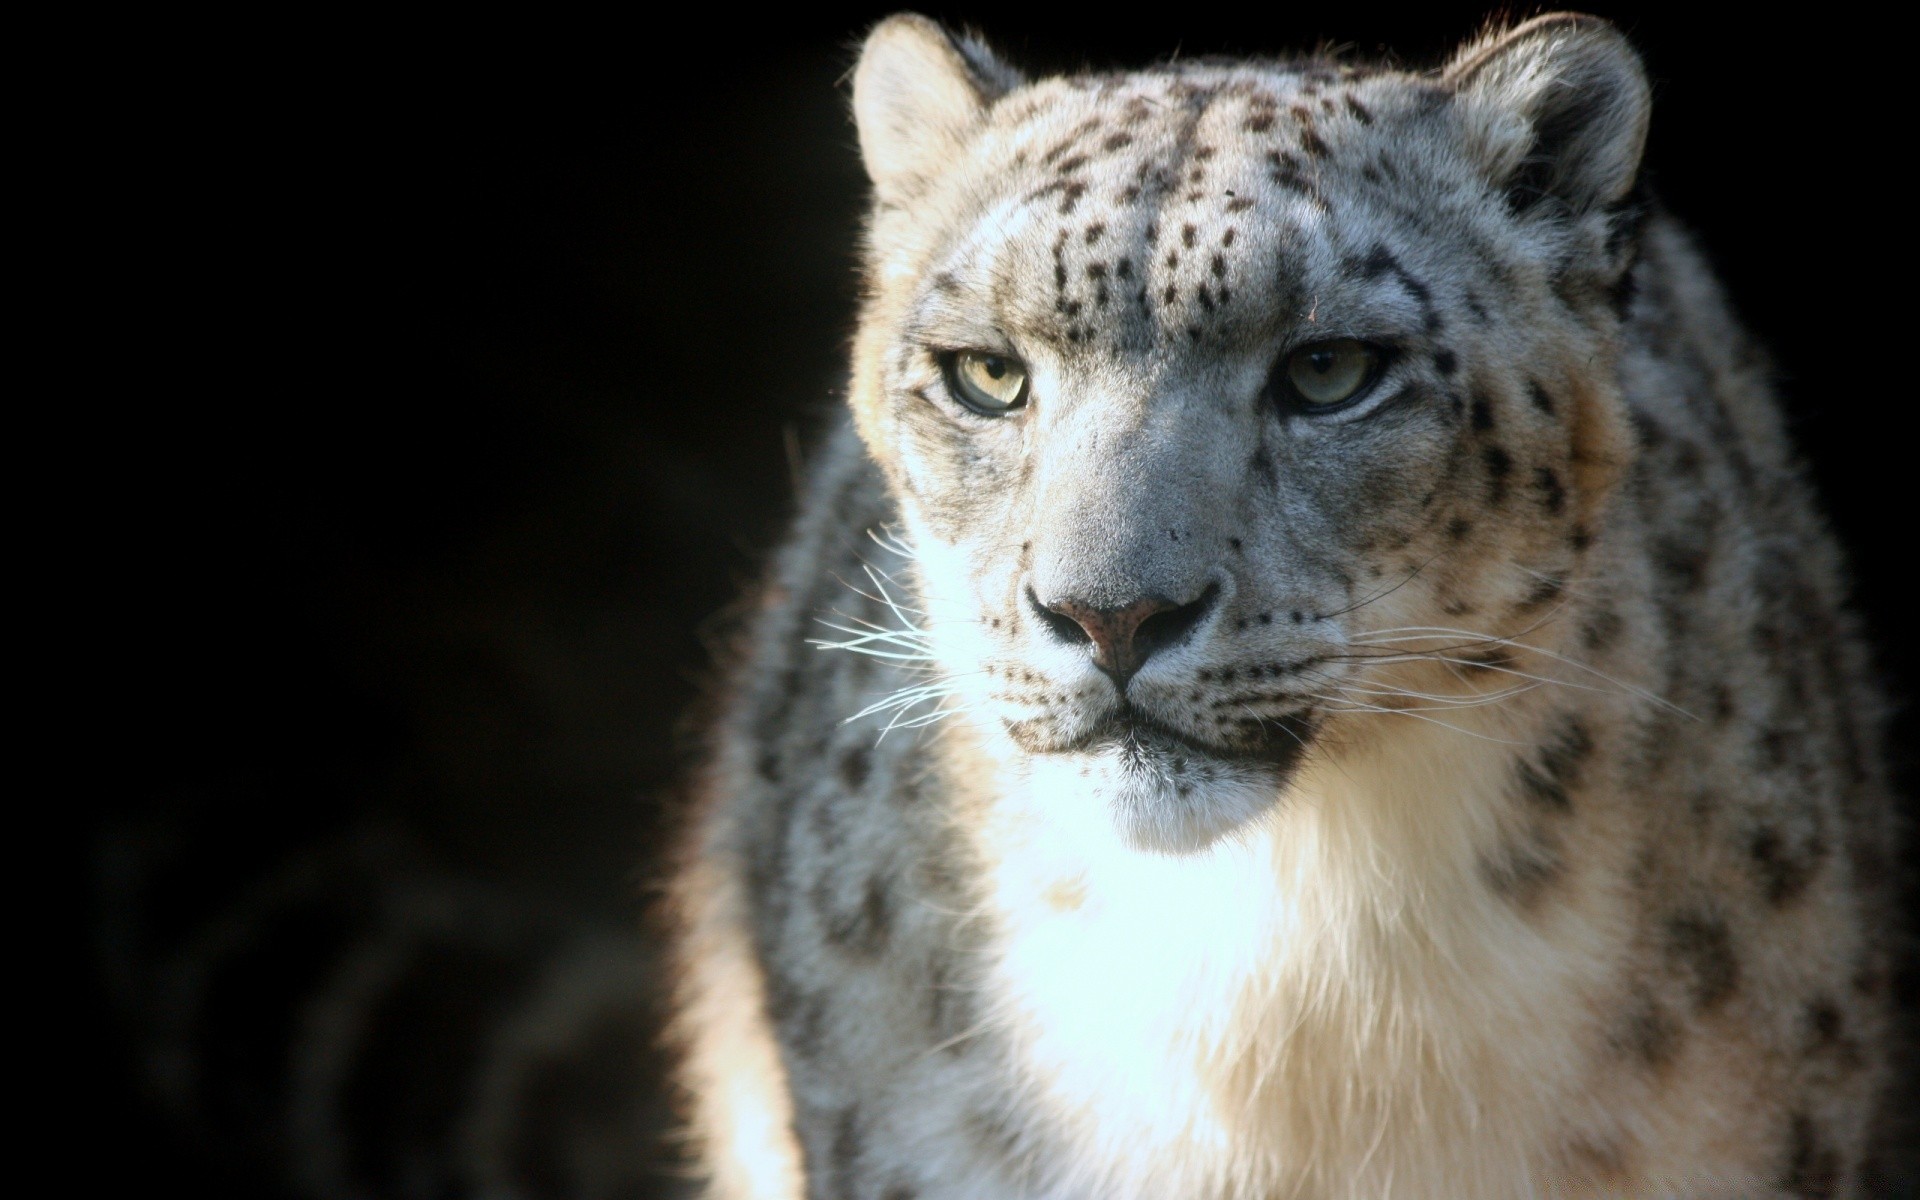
(1445, 362)
(1498, 463)
(1285, 170)
(1553, 495)
(1544, 592)
(1053, 155)
(1723, 706)
(864, 930)
(855, 765)
(1602, 629)
(1651, 433)
(1482, 414)
(1524, 868)
(1546, 782)
(1682, 564)
(843, 1155)
(1382, 262)
(1784, 871)
(1358, 109)
(1645, 1031)
(1813, 1167)
(1484, 660)
(1699, 942)
(1823, 1023)
(1541, 400)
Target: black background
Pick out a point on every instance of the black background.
(459, 369)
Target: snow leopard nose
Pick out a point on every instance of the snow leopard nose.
(1123, 639)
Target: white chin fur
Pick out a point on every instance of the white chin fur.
(1178, 811)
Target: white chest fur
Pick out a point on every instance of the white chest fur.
(1333, 1004)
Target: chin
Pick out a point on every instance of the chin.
(1169, 796)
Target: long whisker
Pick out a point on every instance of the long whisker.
(1418, 633)
(1384, 594)
(884, 537)
(1361, 706)
(1474, 701)
(1382, 660)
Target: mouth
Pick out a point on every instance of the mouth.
(1277, 743)
(1169, 792)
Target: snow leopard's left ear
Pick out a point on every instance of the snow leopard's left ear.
(918, 93)
(1556, 107)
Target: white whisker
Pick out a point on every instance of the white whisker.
(1472, 701)
(1351, 705)
(1428, 632)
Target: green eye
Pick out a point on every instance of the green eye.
(993, 384)
(1329, 373)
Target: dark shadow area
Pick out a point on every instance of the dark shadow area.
(460, 376)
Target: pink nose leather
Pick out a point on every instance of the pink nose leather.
(1112, 631)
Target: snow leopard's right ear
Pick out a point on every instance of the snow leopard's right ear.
(918, 92)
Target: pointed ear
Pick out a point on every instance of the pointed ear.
(917, 94)
(1556, 107)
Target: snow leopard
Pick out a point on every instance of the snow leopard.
(1310, 670)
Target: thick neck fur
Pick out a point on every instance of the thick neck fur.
(1260, 1016)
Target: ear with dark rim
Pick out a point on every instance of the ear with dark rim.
(918, 93)
(1557, 109)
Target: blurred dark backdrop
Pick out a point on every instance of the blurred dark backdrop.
(466, 365)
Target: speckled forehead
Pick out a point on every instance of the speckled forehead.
(1159, 207)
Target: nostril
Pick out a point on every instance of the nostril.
(1063, 627)
(1171, 626)
(1122, 639)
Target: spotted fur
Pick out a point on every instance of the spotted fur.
(1507, 816)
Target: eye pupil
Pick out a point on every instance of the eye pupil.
(991, 384)
(1322, 376)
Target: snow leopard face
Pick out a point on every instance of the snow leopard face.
(1206, 392)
